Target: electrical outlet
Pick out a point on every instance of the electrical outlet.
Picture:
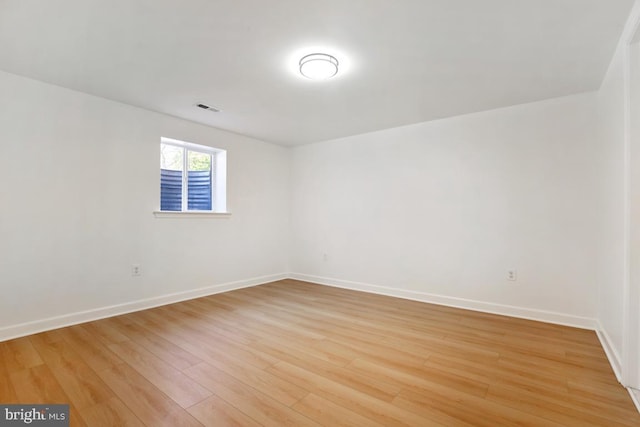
(512, 275)
(325, 257)
(135, 269)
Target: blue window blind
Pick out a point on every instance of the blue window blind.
(170, 190)
(199, 190)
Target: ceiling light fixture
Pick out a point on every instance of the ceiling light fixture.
(318, 66)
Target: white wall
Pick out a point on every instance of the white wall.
(441, 210)
(619, 281)
(632, 369)
(612, 274)
(80, 180)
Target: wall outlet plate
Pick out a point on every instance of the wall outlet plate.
(135, 269)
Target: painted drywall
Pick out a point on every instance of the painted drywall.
(80, 182)
(445, 208)
(632, 333)
(619, 280)
(612, 266)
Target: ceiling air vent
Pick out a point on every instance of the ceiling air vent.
(208, 107)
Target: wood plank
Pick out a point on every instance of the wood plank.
(105, 332)
(369, 385)
(94, 354)
(179, 387)
(424, 378)
(7, 392)
(469, 409)
(256, 405)
(561, 410)
(19, 354)
(38, 385)
(330, 414)
(146, 401)
(167, 351)
(79, 382)
(112, 412)
(496, 373)
(215, 412)
(367, 406)
(206, 346)
(273, 386)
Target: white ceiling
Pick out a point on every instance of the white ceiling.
(408, 60)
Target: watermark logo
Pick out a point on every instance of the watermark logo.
(34, 415)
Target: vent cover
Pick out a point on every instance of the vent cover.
(208, 107)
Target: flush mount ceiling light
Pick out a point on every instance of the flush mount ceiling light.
(318, 66)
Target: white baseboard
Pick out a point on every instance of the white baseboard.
(635, 396)
(486, 307)
(23, 329)
(612, 354)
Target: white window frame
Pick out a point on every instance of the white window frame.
(218, 175)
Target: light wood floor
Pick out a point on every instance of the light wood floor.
(296, 354)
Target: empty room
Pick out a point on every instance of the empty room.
(320, 213)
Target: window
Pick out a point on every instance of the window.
(192, 177)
